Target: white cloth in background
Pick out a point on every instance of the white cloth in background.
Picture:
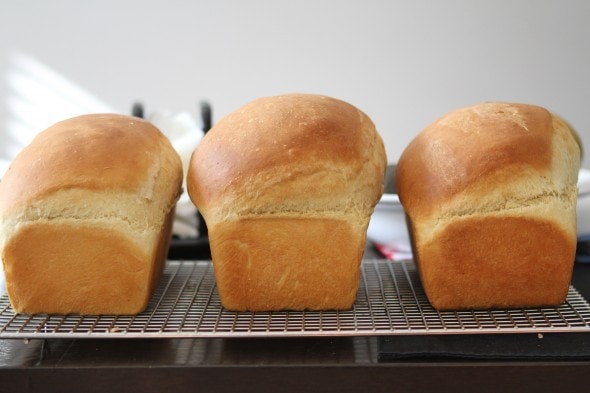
(185, 133)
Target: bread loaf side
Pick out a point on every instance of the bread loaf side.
(86, 216)
(287, 185)
(490, 194)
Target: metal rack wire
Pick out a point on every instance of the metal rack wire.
(390, 301)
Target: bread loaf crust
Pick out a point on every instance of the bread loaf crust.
(288, 153)
(310, 163)
(486, 189)
(86, 216)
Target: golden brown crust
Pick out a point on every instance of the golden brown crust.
(273, 264)
(495, 262)
(490, 195)
(94, 152)
(120, 288)
(283, 183)
(468, 145)
(311, 148)
(86, 215)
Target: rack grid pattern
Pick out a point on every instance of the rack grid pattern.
(390, 301)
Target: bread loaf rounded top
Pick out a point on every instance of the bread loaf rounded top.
(107, 153)
(486, 157)
(294, 154)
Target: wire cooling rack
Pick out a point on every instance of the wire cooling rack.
(390, 301)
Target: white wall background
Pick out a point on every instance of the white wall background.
(405, 63)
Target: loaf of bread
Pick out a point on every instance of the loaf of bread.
(287, 185)
(490, 195)
(86, 216)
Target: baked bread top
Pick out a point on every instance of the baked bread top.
(298, 155)
(93, 166)
(488, 158)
